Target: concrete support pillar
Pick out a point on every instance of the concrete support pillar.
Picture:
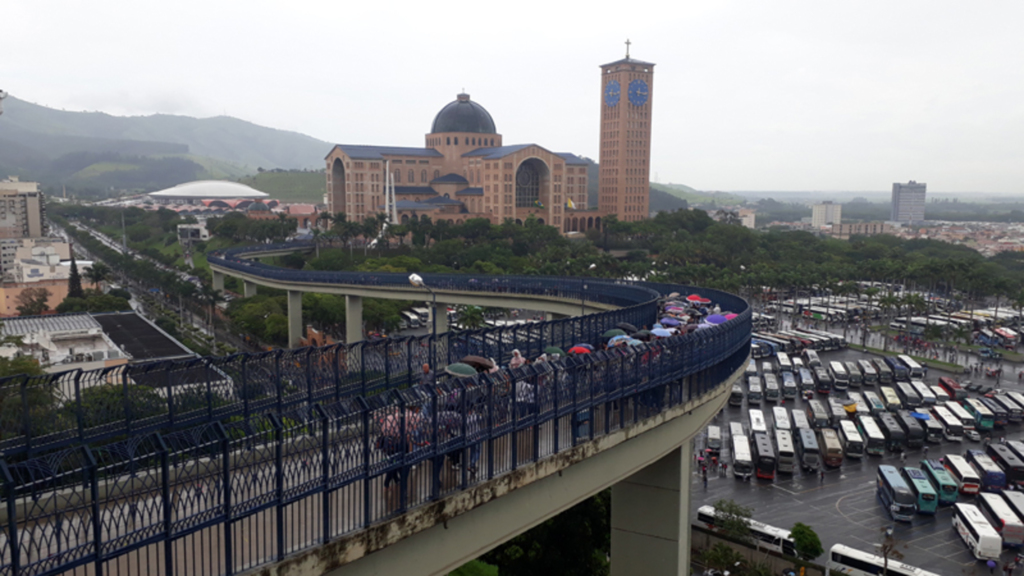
(651, 518)
(218, 281)
(549, 316)
(353, 319)
(441, 311)
(248, 289)
(294, 318)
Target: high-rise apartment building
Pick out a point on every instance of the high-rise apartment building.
(826, 213)
(22, 209)
(627, 88)
(908, 201)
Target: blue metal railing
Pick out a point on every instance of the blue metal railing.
(220, 465)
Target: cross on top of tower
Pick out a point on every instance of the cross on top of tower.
(627, 47)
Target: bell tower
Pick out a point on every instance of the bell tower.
(627, 90)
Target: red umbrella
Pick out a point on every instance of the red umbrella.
(705, 301)
(578, 350)
(693, 298)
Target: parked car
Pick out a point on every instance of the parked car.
(972, 435)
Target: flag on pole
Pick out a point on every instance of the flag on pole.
(569, 204)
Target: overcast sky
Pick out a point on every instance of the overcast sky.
(780, 95)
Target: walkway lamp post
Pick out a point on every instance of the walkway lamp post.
(583, 291)
(417, 281)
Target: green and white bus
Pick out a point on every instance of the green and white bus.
(927, 498)
(944, 484)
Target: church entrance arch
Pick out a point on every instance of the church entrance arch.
(338, 184)
(532, 179)
(590, 223)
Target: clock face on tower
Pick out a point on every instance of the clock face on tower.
(638, 92)
(611, 93)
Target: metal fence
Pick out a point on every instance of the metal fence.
(219, 465)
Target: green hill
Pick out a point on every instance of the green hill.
(290, 185)
(693, 196)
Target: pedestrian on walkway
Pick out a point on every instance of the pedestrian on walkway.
(925, 451)
(725, 468)
(821, 476)
(903, 457)
(705, 482)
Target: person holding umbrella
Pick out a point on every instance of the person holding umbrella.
(517, 360)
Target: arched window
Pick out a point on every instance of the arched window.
(423, 176)
(449, 139)
(412, 176)
(437, 174)
(474, 141)
(398, 176)
(456, 140)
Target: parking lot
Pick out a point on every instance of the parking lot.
(843, 508)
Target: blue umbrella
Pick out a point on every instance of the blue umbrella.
(633, 342)
(667, 321)
(617, 339)
(920, 416)
(661, 332)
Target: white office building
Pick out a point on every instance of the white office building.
(826, 214)
(908, 201)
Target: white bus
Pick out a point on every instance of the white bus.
(757, 423)
(742, 463)
(714, 442)
(850, 561)
(941, 396)
(856, 378)
(961, 414)
(411, 319)
(862, 406)
(915, 369)
(781, 417)
(799, 420)
(871, 434)
(952, 428)
(869, 372)
(772, 392)
(840, 377)
(890, 399)
(1002, 518)
(754, 390)
(784, 364)
(767, 368)
(811, 359)
(786, 460)
(875, 405)
(927, 396)
(853, 444)
(422, 312)
(967, 478)
(981, 538)
(768, 537)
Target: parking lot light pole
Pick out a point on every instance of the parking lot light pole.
(417, 281)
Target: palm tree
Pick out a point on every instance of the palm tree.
(211, 298)
(471, 316)
(317, 237)
(870, 293)
(97, 273)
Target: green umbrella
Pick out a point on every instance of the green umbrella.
(642, 333)
(613, 333)
(554, 350)
(460, 370)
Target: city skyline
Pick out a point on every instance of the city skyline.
(751, 97)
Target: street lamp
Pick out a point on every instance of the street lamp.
(583, 291)
(417, 281)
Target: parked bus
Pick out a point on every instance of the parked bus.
(874, 403)
(869, 372)
(967, 478)
(933, 430)
(871, 434)
(944, 484)
(754, 390)
(961, 414)
(941, 397)
(1017, 447)
(768, 537)
(798, 363)
(1000, 416)
(853, 444)
(806, 380)
(840, 378)
(772, 393)
(899, 370)
(798, 419)
(714, 442)
(952, 428)
(767, 368)
(993, 479)
(891, 399)
(913, 368)
(885, 375)
(817, 414)
(1015, 500)
(924, 492)
(807, 450)
(757, 422)
(984, 420)
(912, 428)
(1017, 398)
(862, 406)
(927, 396)
(1008, 461)
(789, 387)
(1002, 518)
(764, 456)
(736, 396)
(836, 410)
(411, 319)
(742, 462)
(831, 448)
(751, 369)
(955, 391)
(908, 396)
(784, 364)
(852, 562)
(811, 359)
(824, 381)
(856, 378)
(786, 462)
(895, 437)
(895, 494)
(780, 417)
(980, 537)
(422, 312)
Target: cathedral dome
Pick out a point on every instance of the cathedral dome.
(462, 115)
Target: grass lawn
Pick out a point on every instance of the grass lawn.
(291, 186)
(476, 568)
(958, 369)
